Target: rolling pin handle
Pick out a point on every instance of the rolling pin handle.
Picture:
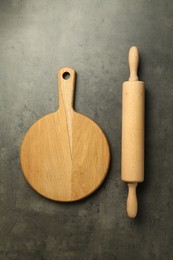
(132, 204)
(133, 63)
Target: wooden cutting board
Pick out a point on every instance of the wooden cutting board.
(65, 156)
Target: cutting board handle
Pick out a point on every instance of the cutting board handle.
(66, 85)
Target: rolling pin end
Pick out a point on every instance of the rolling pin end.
(133, 63)
(132, 204)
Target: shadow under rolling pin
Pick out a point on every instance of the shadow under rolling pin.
(132, 160)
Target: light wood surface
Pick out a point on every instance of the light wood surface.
(65, 155)
(132, 162)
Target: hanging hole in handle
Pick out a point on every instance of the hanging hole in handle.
(66, 75)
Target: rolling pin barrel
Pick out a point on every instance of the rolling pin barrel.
(132, 163)
(133, 132)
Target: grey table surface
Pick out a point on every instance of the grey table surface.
(93, 37)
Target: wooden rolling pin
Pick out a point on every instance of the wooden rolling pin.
(132, 162)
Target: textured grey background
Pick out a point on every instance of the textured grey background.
(37, 38)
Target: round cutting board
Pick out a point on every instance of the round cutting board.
(65, 156)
